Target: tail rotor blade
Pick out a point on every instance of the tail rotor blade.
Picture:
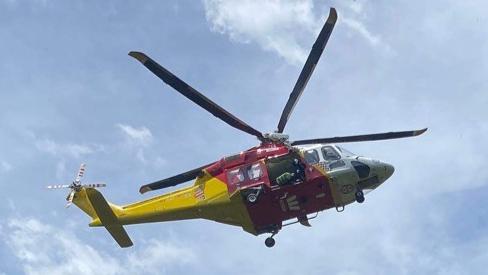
(70, 198)
(59, 186)
(81, 172)
(94, 185)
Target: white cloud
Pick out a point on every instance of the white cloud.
(362, 30)
(353, 15)
(355, 6)
(158, 254)
(11, 205)
(137, 141)
(41, 3)
(9, 2)
(287, 28)
(5, 166)
(274, 25)
(160, 162)
(140, 156)
(138, 136)
(60, 169)
(43, 249)
(70, 149)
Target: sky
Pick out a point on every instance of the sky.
(69, 93)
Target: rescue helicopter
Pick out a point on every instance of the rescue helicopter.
(262, 189)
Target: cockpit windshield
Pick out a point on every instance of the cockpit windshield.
(345, 153)
(311, 156)
(330, 154)
(332, 158)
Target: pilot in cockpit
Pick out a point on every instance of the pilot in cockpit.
(286, 169)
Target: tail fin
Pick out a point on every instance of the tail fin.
(108, 218)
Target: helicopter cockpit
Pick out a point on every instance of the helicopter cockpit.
(369, 172)
(330, 157)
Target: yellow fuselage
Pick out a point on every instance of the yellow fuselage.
(208, 199)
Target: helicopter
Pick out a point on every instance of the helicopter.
(262, 189)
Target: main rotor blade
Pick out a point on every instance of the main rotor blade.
(313, 58)
(193, 95)
(172, 181)
(370, 137)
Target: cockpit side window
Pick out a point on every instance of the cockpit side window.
(311, 156)
(345, 153)
(361, 168)
(254, 172)
(238, 175)
(235, 176)
(330, 154)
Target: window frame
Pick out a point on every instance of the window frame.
(249, 168)
(244, 171)
(338, 155)
(305, 152)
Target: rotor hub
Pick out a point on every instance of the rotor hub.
(276, 137)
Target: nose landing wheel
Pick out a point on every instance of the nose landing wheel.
(359, 196)
(269, 242)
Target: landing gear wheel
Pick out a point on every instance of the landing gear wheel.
(269, 242)
(252, 198)
(359, 196)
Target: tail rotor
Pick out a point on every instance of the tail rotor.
(76, 185)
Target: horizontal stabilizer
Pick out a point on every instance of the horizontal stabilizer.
(120, 235)
(108, 218)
